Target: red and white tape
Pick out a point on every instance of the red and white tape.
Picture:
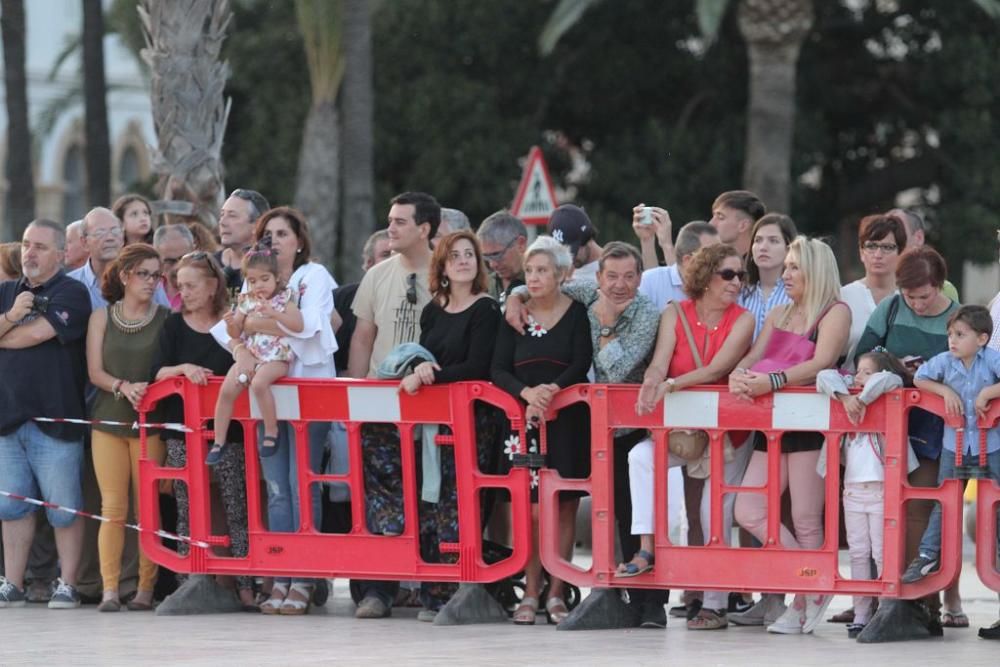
(170, 426)
(160, 533)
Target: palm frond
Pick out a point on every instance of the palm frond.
(563, 17)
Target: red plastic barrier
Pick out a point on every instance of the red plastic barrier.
(358, 554)
(987, 506)
(772, 568)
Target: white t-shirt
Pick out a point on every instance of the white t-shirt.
(661, 285)
(586, 272)
(859, 299)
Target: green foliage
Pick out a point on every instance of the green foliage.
(269, 86)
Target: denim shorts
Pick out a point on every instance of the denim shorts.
(35, 465)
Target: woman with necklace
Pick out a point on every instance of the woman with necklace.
(798, 340)
(288, 233)
(459, 327)
(186, 347)
(121, 340)
(553, 352)
(881, 239)
(721, 331)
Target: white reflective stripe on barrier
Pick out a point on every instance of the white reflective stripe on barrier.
(373, 404)
(808, 412)
(286, 402)
(691, 409)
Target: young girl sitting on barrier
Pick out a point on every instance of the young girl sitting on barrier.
(863, 457)
(265, 297)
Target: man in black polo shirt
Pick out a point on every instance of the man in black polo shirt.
(43, 326)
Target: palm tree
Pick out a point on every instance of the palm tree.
(317, 191)
(98, 145)
(183, 42)
(357, 105)
(20, 182)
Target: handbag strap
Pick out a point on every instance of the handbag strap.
(688, 334)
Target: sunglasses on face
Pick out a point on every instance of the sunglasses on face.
(729, 274)
(411, 289)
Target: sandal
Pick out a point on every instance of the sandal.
(215, 454)
(632, 569)
(708, 619)
(526, 611)
(267, 450)
(273, 604)
(954, 619)
(557, 610)
(299, 604)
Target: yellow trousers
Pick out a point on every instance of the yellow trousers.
(116, 463)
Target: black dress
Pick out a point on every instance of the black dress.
(561, 355)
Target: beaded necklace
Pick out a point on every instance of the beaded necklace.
(128, 326)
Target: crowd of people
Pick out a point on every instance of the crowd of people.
(108, 305)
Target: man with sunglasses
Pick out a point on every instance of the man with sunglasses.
(104, 237)
(504, 239)
(236, 224)
(388, 305)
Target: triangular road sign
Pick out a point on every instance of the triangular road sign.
(536, 198)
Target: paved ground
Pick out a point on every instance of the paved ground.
(35, 636)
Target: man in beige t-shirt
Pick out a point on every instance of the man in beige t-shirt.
(388, 305)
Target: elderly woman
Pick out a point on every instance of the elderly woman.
(186, 347)
(313, 346)
(553, 352)
(10, 261)
(136, 217)
(881, 239)
(765, 290)
(459, 327)
(121, 340)
(721, 330)
(799, 340)
(913, 326)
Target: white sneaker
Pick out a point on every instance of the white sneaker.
(765, 611)
(815, 608)
(793, 620)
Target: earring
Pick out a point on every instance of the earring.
(445, 282)
(299, 251)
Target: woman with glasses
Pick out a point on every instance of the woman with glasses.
(881, 239)
(121, 341)
(136, 216)
(286, 231)
(721, 331)
(186, 347)
(798, 340)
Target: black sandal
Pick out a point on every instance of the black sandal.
(267, 450)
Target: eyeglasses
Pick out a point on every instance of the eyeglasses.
(113, 232)
(144, 275)
(170, 261)
(411, 289)
(495, 256)
(729, 274)
(886, 248)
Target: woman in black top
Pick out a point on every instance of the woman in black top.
(187, 348)
(553, 352)
(459, 327)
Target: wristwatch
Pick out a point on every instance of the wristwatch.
(670, 385)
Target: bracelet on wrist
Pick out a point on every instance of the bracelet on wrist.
(6, 316)
(236, 349)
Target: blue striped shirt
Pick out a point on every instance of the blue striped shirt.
(752, 298)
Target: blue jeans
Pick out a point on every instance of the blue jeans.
(281, 476)
(34, 464)
(930, 545)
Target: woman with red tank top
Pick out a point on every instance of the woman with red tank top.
(721, 332)
(798, 340)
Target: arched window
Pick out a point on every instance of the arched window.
(128, 169)
(74, 184)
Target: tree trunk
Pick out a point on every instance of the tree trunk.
(98, 154)
(774, 31)
(183, 42)
(317, 192)
(20, 181)
(357, 106)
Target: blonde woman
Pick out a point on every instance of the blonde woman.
(798, 340)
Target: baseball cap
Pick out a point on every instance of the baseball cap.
(571, 226)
